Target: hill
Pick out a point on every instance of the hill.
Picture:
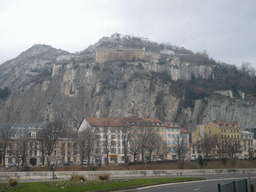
(125, 77)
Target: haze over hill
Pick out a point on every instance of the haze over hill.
(125, 76)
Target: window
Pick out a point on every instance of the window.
(173, 142)
(173, 149)
(172, 130)
(173, 136)
(162, 135)
(237, 136)
(210, 132)
(178, 135)
(169, 149)
(162, 129)
(113, 143)
(113, 150)
(113, 136)
(177, 130)
(168, 130)
(169, 142)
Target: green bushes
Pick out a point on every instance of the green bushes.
(96, 67)
(76, 178)
(13, 182)
(4, 93)
(103, 177)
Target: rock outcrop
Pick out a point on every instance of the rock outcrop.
(48, 83)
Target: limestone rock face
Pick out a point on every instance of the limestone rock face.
(48, 83)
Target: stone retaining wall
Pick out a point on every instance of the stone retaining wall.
(45, 175)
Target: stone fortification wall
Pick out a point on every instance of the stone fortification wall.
(227, 93)
(119, 55)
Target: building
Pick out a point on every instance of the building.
(247, 144)
(177, 139)
(216, 139)
(25, 146)
(146, 132)
(110, 134)
(118, 54)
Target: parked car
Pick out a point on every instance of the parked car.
(85, 162)
(11, 164)
(112, 161)
(66, 163)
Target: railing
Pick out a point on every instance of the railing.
(235, 186)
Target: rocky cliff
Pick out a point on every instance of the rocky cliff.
(46, 83)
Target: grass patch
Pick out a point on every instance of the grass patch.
(99, 184)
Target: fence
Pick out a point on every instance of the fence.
(235, 186)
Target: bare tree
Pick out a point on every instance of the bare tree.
(85, 143)
(48, 137)
(5, 134)
(126, 137)
(42, 149)
(154, 143)
(21, 150)
(231, 147)
(161, 147)
(181, 150)
(107, 139)
(248, 69)
(206, 144)
(134, 145)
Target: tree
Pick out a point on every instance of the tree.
(154, 144)
(181, 149)
(5, 134)
(144, 134)
(231, 147)
(134, 145)
(161, 147)
(126, 137)
(247, 69)
(85, 143)
(21, 150)
(107, 139)
(206, 144)
(48, 136)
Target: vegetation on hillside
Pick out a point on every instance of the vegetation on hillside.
(224, 77)
(4, 93)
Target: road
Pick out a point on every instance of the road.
(208, 185)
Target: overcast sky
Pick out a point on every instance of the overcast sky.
(226, 28)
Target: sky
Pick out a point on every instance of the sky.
(225, 28)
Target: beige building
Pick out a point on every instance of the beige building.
(225, 136)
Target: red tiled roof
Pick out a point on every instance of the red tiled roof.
(184, 131)
(141, 120)
(233, 124)
(102, 121)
